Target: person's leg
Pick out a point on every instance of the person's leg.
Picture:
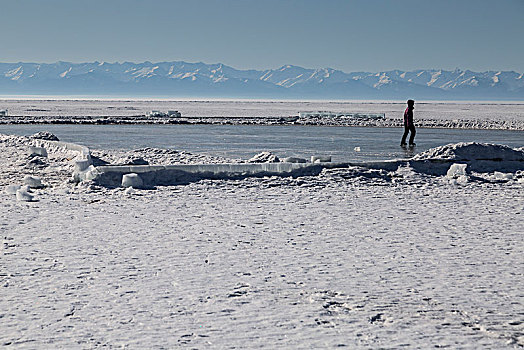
(412, 136)
(406, 131)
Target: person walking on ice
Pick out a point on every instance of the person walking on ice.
(408, 125)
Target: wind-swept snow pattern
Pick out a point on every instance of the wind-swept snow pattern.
(365, 256)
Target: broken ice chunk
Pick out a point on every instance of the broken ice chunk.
(132, 180)
(11, 189)
(320, 159)
(24, 196)
(456, 170)
(39, 151)
(33, 181)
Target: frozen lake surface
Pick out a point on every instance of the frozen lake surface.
(352, 257)
(449, 110)
(244, 141)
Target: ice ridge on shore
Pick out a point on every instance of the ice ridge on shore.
(169, 167)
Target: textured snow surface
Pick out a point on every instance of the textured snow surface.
(353, 257)
(157, 156)
(472, 151)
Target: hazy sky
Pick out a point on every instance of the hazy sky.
(351, 35)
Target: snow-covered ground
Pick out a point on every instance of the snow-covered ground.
(353, 257)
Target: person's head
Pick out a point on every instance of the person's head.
(411, 103)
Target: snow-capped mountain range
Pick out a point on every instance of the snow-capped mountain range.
(182, 79)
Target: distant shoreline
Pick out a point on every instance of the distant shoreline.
(462, 115)
(264, 121)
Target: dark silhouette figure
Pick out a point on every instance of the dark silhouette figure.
(408, 124)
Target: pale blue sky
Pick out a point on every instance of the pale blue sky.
(360, 35)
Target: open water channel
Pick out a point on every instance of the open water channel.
(244, 141)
